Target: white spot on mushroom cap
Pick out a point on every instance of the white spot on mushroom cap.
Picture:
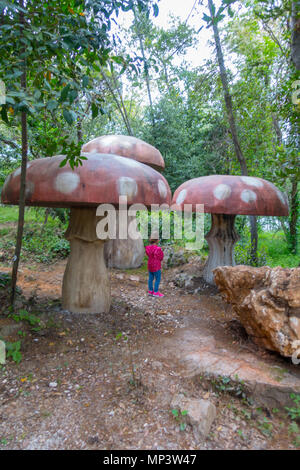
(162, 188)
(126, 144)
(131, 162)
(108, 139)
(248, 196)
(17, 172)
(222, 191)
(281, 197)
(6, 182)
(127, 186)
(114, 139)
(181, 196)
(66, 182)
(29, 189)
(251, 181)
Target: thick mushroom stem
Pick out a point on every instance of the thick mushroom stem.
(86, 285)
(125, 254)
(221, 240)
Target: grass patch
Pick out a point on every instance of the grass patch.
(276, 248)
(40, 243)
(9, 214)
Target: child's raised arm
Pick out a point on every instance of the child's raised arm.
(148, 249)
(159, 253)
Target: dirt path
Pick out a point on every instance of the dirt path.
(81, 385)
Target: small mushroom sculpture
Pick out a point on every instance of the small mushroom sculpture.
(225, 196)
(102, 179)
(129, 253)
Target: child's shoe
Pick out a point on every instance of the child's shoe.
(150, 292)
(158, 294)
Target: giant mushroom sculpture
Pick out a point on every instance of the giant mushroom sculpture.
(129, 253)
(102, 179)
(225, 196)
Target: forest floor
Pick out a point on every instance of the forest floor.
(107, 381)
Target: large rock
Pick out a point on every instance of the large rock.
(267, 302)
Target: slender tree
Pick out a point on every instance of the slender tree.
(137, 26)
(24, 138)
(231, 118)
(295, 36)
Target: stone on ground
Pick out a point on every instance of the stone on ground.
(200, 414)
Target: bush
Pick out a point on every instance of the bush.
(243, 255)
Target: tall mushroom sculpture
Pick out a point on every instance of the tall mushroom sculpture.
(224, 197)
(102, 179)
(125, 254)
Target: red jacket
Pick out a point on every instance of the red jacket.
(155, 255)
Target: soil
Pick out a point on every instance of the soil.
(106, 381)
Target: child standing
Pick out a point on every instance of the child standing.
(155, 257)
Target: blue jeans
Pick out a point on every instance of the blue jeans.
(152, 276)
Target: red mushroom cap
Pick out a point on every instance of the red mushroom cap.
(126, 146)
(101, 179)
(226, 194)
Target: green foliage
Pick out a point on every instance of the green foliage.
(5, 280)
(61, 46)
(266, 427)
(184, 135)
(242, 255)
(13, 350)
(43, 243)
(294, 412)
(179, 416)
(47, 245)
(225, 384)
(273, 248)
(277, 251)
(24, 315)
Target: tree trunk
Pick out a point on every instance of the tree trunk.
(147, 77)
(295, 26)
(120, 105)
(232, 125)
(18, 247)
(124, 254)
(221, 240)
(293, 216)
(86, 285)
(79, 130)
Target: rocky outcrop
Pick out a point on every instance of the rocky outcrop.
(174, 258)
(267, 302)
